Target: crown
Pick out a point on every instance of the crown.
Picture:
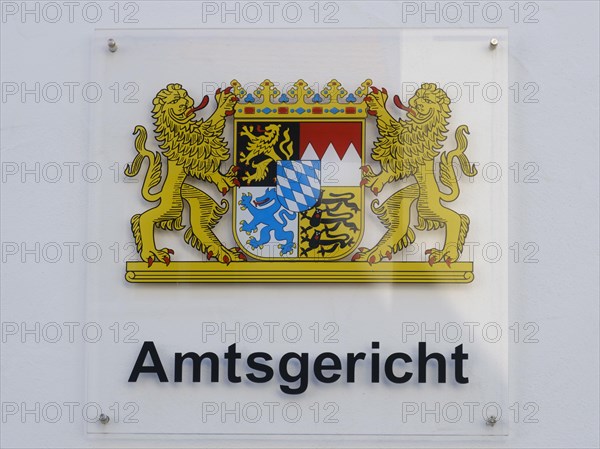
(300, 101)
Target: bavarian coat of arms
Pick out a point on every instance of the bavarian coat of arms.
(295, 187)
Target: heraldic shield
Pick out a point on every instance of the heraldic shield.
(300, 195)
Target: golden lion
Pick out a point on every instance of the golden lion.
(192, 148)
(409, 148)
(263, 145)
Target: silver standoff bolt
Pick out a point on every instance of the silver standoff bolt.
(104, 419)
(112, 45)
(493, 43)
(491, 421)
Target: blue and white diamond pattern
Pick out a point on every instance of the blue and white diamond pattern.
(298, 184)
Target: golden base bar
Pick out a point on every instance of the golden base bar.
(300, 272)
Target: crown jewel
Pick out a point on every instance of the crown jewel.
(301, 100)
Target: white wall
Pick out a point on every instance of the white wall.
(558, 55)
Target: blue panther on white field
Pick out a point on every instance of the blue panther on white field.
(267, 216)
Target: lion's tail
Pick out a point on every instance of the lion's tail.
(154, 173)
(447, 173)
(289, 149)
(286, 216)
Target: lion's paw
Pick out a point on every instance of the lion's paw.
(286, 248)
(247, 227)
(446, 255)
(372, 181)
(157, 255)
(227, 256)
(372, 256)
(253, 243)
(245, 201)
